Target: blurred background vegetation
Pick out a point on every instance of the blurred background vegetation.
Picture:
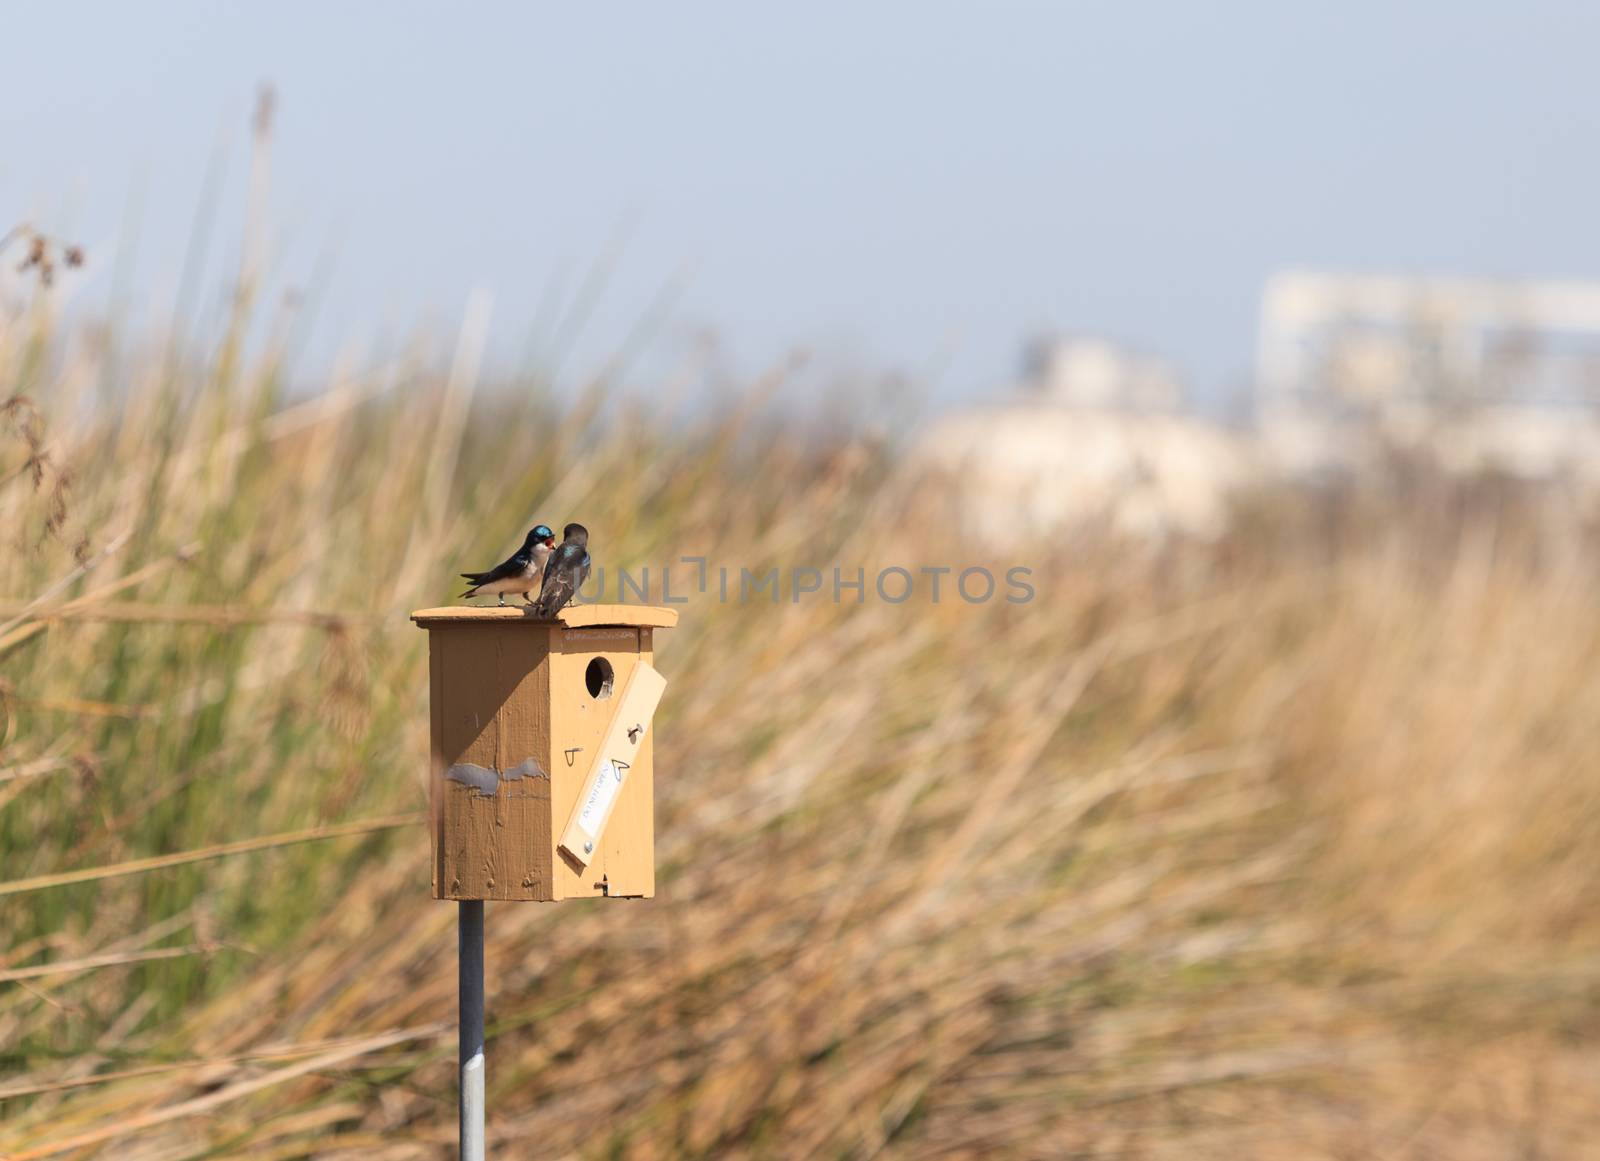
(1277, 844)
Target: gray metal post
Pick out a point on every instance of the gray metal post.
(471, 968)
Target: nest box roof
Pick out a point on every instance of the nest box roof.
(573, 616)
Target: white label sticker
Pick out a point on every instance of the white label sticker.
(597, 807)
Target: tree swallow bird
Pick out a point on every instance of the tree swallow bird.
(568, 568)
(521, 572)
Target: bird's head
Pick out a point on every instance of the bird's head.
(575, 534)
(541, 534)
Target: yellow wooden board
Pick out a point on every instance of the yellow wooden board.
(611, 764)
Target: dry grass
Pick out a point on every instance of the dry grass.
(1276, 848)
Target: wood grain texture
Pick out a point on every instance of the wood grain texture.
(437, 762)
(492, 710)
(507, 689)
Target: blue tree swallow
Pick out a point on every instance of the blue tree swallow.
(567, 570)
(521, 572)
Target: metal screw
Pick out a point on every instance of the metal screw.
(588, 848)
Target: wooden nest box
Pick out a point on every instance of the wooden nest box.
(542, 781)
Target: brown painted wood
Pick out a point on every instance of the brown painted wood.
(509, 693)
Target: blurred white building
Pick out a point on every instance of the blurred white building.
(1094, 434)
(1097, 373)
(1479, 374)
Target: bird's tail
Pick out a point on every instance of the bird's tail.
(472, 592)
(474, 577)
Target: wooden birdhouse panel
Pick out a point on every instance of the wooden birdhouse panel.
(589, 670)
(491, 763)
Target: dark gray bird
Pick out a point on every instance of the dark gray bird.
(565, 572)
(521, 572)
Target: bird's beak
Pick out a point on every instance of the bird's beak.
(549, 541)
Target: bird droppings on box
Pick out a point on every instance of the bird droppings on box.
(480, 778)
(486, 780)
(527, 768)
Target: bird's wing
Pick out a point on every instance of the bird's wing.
(557, 591)
(511, 566)
(583, 573)
(558, 588)
(553, 565)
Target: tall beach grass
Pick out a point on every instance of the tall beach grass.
(1273, 847)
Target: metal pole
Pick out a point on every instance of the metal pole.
(471, 968)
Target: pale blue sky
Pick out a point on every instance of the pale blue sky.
(915, 186)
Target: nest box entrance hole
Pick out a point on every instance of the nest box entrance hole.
(599, 678)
